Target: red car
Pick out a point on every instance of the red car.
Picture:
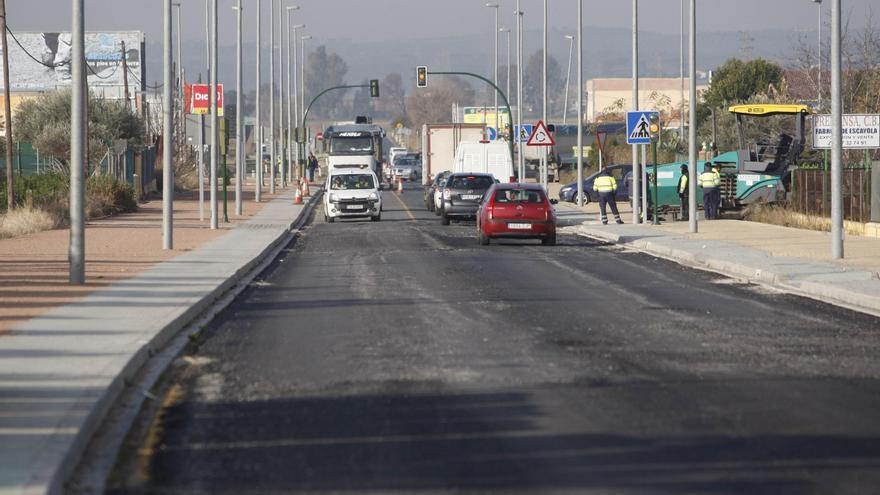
(516, 211)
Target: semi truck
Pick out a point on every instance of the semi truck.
(355, 144)
(440, 144)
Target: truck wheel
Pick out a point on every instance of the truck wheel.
(444, 218)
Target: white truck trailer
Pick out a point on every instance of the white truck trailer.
(440, 143)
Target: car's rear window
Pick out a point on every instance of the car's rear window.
(471, 182)
(518, 196)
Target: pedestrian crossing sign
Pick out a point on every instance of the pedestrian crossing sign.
(641, 127)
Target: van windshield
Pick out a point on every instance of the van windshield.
(353, 181)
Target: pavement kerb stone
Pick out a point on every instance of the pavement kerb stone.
(822, 291)
(48, 472)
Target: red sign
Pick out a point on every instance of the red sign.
(319, 136)
(198, 99)
(540, 136)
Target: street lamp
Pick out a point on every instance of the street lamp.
(507, 32)
(819, 57)
(286, 157)
(519, 85)
(215, 148)
(580, 103)
(272, 142)
(239, 149)
(258, 127)
(291, 137)
(637, 199)
(302, 89)
(570, 39)
(179, 60)
(495, 6)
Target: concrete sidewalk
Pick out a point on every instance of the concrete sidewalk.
(793, 260)
(62, 371)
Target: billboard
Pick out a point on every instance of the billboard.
(42, 62)
(198, 99)
(484, 115)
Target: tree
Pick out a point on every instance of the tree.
(394, 96)
(361, 104)
(533, 82)
(737, 81)
(45, 123)
(324, 71)
(434, 104)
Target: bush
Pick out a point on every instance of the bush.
(23, 221)
(104, 194)
(107, 196)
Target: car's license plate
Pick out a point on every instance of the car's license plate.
(354, 207)
(470, 196)
(519, 226)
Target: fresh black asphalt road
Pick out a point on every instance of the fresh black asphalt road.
(402, 357)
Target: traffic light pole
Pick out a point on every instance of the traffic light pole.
(302, 157)
(503, 97)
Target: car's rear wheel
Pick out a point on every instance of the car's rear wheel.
(549, 240)
(377, 218)
(444, 218)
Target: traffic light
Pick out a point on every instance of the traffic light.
(654, 126)
(374, 88)
(422, 76)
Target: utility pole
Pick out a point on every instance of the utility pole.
(692, 125)
(836, 137)
(636, 169)
(239, 135)
(7, 111)
(125, 77)
(544, 174)
(258, 127)
(580, 103)
(215, 149)
(495, 64)
(78, 138)
(519, 85)
(272, 150)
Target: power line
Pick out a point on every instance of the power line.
(51, 66)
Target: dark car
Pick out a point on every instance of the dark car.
(463, 194)
(432, 188)
(619, 172)
(516, 211)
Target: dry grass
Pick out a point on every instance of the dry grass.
(778, 215)
(23, 221)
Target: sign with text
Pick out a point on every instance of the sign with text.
(860, 131)
(198, 97)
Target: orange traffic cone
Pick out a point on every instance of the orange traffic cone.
(297, 197)
(400, 185)
(305, 187)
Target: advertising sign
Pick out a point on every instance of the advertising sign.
(485, 115)
(859, 132)
(52, 70)
(198, 97)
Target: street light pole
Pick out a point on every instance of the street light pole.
(281, 165)
(495, 60)
(681, 71)
(507, 32)
(819, 58)
(239, 134)
(258, 128)
(692, 125)
(78, 138)
(570, 39)
(272, 156)
(836, 137)
(636, 168)
(302, 101)
(290, 75)
(544, 174)
(295, 156)
(215, 149)
(519, 85)
(167, 135)
(580, 103)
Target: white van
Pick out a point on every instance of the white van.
(352, 192)
(488, 158)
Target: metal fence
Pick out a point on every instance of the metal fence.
(811, 193)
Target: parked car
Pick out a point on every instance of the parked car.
(432, 188)
(516, 211)
(569, 191)
(463, 194)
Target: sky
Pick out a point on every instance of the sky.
(378, 20)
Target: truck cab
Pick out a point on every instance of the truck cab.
(354, 144)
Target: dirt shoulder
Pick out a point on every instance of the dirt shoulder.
(34, 268)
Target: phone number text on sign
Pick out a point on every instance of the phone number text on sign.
(859, 131)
